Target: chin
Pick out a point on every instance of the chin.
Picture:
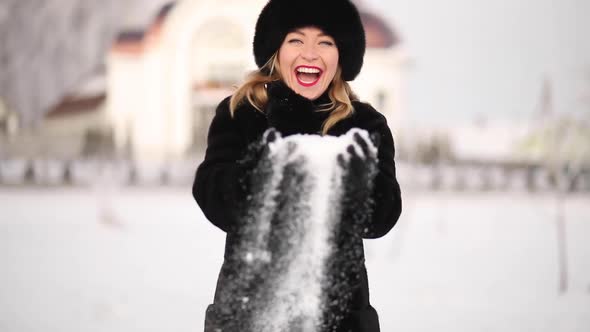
(310, 95)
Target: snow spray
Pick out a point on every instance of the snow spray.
(294, 210)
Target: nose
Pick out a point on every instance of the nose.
(309, 52)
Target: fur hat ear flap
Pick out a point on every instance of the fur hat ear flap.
(338, 18)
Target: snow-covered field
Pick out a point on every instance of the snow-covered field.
(147, 260)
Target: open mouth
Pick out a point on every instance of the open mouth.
(308, 75)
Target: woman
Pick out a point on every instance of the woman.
(306, 51)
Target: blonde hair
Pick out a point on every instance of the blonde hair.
(253, 90)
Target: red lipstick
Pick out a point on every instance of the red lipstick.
(308, 72)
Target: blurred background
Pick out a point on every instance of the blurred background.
(104, 110)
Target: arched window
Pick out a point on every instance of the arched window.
(217, 51)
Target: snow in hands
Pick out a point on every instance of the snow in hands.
(288, 245)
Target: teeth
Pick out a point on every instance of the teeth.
(308, 70)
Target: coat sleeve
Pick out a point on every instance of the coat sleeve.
(386, 197)
(218, 187)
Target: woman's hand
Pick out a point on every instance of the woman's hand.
(359, 165)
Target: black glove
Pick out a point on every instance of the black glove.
(257, 154)
(289, 112)
(359, 165)
(258, 149)
(359, 168)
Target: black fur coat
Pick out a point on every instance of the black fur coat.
(221, 186)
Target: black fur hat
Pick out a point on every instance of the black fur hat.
(338, 18)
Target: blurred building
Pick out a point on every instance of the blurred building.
(77, 120)
(165, 81)
(153, 99)
(8, 121)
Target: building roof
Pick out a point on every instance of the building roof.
(164, 11)
(378, 33)
(129, 41)
(134, 41)
(72, 105)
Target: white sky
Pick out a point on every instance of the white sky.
(489, 58)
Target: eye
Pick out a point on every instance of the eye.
(295, 41)
(326, 43)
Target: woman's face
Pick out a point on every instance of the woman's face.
(308, 60)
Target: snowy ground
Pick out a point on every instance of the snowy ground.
(455, 262)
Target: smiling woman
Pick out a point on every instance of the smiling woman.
(308, 60)
(306, 51)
